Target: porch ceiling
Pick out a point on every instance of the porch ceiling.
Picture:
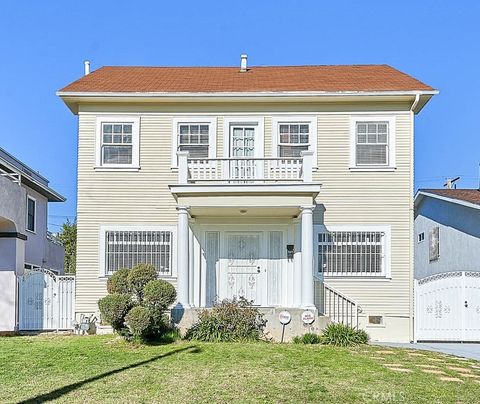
(242, 211)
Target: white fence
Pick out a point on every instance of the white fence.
(46, 300)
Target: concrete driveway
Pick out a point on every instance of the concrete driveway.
(465, 350)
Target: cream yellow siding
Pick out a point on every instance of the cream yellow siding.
(143, 197)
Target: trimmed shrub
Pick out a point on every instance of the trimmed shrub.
(118, 283)
(138, 321)
(308, 338)
(138, 277)
(114, 308)
(159, 294)
(343, 335)
(228, 320)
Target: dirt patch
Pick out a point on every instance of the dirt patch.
(450, 379)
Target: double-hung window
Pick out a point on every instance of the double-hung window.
(353, 253)
(31, 214)
(293, 139)
(127, 247)
(373, 143)
(197, 136)
(118, 142)
(293, 135)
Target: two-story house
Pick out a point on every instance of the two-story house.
(289, 185)
(24, 239)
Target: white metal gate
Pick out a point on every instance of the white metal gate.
(447, 307)
(46, 300)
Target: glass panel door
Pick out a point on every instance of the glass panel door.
(242, 146)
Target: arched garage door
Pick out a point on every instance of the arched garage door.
(447, 307)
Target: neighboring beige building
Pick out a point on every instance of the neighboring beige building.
(291, 186)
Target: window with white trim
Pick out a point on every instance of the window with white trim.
(118, 142)
(194, 138)
(127, 248)
(293, 139)
(294, 134)
(371, 140)
(195, 134)
(351, 253)
(31, 213)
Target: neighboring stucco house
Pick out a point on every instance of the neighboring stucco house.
(24, 238)
(290, 186)
(447, 264)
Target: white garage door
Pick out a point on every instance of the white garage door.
(447, 307)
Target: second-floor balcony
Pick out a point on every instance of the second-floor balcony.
(245, 170)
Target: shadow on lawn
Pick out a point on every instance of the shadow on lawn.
(71, 387)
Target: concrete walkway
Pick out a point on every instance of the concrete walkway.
(465, 350)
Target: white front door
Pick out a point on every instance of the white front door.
(243, 271)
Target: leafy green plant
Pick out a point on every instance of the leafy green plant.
(146, 299)
(308, 338)
(138, 277)
(114, 308)
(118, 282)
(159, 294)
(138, 321)
(343, 335)
(228, 320)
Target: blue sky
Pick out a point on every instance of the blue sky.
(44, 44)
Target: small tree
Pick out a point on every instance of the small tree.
(137, 303)
(68, 238)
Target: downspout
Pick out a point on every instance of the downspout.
(412, 221)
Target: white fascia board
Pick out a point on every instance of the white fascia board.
(420, 194)
(245, 188)
(244, 94)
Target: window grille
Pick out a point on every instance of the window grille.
(125, 249)
(351, 253)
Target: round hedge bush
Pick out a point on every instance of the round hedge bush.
(138, 277)
(118, 282)
(159, 294)
(138, 321)
(113, 309)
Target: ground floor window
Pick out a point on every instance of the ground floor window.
(127, 248)
(351, 252)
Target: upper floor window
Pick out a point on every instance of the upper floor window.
(294, 134)
(293, 139)
(117, 143)
(194, 138)
(421, 237)
(197, 135)
(373, 143)
(31, 213)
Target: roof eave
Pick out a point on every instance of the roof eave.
(421, 194)
(72, 98)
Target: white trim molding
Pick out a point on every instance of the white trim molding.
(258, 121)
(311, 120)
(135, 121)
(142, 227)
(391, 142)
(386, 229)
(211, 121)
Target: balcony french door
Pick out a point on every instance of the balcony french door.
(242, 146)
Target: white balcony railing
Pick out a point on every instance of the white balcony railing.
(14, 177)
(238, 170)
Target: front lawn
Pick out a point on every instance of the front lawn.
(107, 369)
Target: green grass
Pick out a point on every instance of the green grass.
(107, 369)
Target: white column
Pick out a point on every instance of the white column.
(182, 167)
(307, 165)
(297, 265)
(183, 242)
(307, 257)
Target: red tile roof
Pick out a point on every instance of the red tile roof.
(466, 195)
(257, 79)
